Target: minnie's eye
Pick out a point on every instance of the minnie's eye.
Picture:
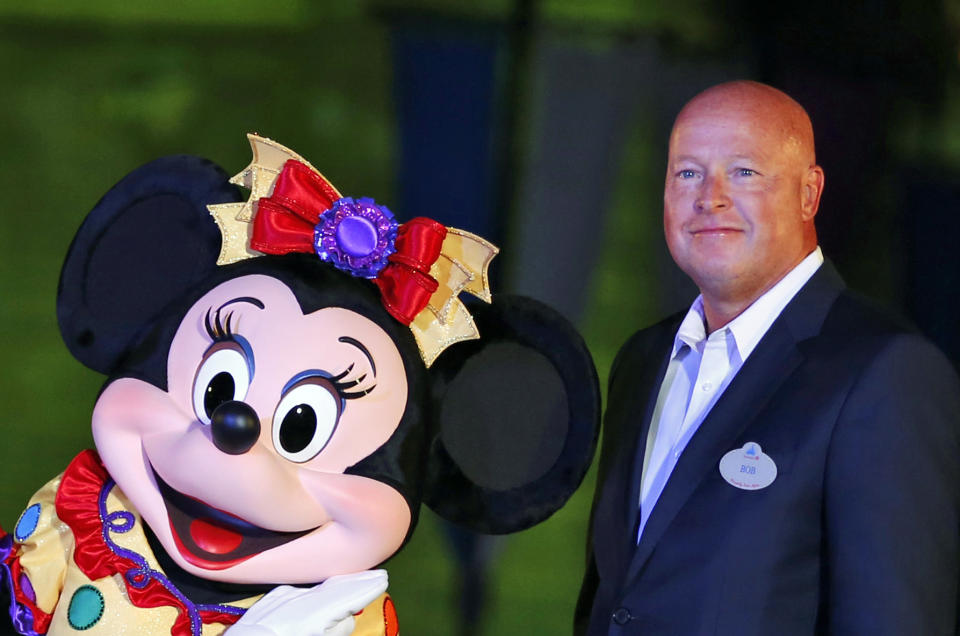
(305, 419)
(223, 376)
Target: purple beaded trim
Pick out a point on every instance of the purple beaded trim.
(21, 616)
(122, 521)
(356, 236)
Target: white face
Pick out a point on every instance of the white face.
(272, 505)
(734, 206)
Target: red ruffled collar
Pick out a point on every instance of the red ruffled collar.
(84, 483)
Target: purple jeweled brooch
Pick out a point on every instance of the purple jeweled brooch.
(356, 236)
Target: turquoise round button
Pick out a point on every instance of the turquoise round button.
(86, 607)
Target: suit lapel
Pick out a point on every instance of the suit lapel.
(652, 390)
(757, 382)
(617, 508)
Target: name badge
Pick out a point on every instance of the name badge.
(748, 468)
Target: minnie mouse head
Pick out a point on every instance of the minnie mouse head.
(279, 417)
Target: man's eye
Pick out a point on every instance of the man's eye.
(686, 174)
(745, 172)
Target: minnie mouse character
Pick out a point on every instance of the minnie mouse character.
(280, 399)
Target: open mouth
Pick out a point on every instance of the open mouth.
(213, 539)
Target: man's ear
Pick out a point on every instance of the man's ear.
(812, 190)
(518, 416)
(148, 240)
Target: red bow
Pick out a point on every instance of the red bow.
(286, 220)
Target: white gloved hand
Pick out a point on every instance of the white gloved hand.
(326, 609)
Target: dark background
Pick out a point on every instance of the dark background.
(541, 125)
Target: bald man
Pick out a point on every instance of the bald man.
(781, 458)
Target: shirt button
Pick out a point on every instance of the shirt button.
(706, 386)
(621, 616)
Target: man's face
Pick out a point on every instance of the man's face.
(733, 202)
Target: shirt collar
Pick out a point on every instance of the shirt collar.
(749, 327)
(693, 328)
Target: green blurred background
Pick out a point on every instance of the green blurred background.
(92, 90)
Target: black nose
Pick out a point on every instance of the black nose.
(235, 427)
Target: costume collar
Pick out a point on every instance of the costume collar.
(81, 504)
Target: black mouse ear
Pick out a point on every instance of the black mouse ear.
(518, 413)
(149, 239)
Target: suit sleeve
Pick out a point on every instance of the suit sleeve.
(892, 498)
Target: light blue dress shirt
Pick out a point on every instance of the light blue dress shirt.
(701, 367)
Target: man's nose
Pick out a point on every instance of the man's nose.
(713, 195)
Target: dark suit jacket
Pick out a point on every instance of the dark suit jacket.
(858, 534)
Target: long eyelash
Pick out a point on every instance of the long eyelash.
(342, 374)
(218, 331)
(342, 385)
(358, 394)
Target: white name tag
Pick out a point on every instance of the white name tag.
(748, 468)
